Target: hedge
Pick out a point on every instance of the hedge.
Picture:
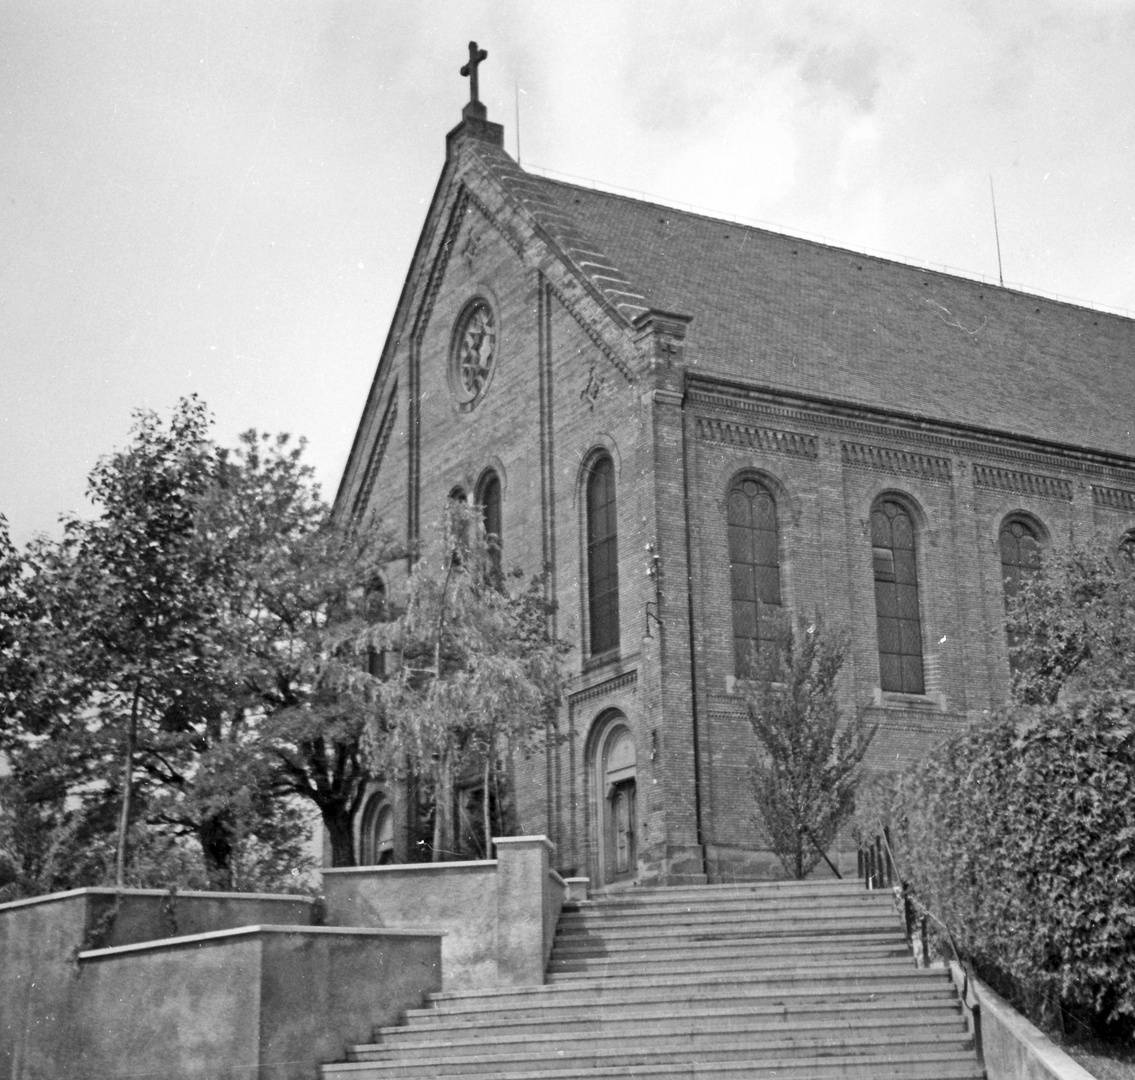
(1020, 835)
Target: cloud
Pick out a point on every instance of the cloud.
(851, 71)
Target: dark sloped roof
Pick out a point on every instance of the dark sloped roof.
(804, 317)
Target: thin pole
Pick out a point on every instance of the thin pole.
(996, 232)
(517, 87)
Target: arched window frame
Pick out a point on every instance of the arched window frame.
(489, 498)
(1126, 545)
(601, 550)
(1024, 558)
(898, 597)
(1020, 541)
(752, 515)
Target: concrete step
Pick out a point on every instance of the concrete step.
(756, 953)
(665, 894)
(580, 944)
(692, 963)
(560, 998)
(870, 1012)
(794, 1038)
(708, 926)
(795, 974)
(741, 902)
(557, 1005)
(929, 1065)
(551, 1052)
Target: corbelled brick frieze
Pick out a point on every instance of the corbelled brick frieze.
(1044, 487)
(757, 438)
(607, 686)
(884, 459)
(1113, 498)
(773, 408)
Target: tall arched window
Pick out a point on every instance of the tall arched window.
(489, 498)
(754, 564)
(1020, 554)
(602, 557)
(1127, 545)
(456, 533)
(375, 610)
(1019, 541)
(896, 598)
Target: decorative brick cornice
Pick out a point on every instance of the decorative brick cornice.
(611, 286)
(612, 685)
(596, 338)
(441, 262)
(1044, 487)
(371, 474)
(935, 436)
(1114, 498)
(885, 459)
(748, 437)
(509, 235)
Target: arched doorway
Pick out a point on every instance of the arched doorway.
(618, 811)
(376, 836)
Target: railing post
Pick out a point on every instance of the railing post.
(908, 917)
(859, 863)
(975, 1012)
(925, 943)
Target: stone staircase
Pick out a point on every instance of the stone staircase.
(806, 981)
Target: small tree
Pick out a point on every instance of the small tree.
(806, 769)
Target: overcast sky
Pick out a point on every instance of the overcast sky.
(221, 197)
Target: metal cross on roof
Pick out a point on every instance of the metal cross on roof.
(470, 69)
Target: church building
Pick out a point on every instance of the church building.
(691, 425)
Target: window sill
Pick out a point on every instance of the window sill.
(933, 701)
(611, 656)
(736, 686)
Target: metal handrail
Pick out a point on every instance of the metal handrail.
(910, 900)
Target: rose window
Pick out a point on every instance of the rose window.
(474, 350)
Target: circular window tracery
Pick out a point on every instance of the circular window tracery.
(473, 354)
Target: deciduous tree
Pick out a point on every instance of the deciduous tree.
(476, 672)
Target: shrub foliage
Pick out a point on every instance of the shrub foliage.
(1020, 835)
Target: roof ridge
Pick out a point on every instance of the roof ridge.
(765, 228)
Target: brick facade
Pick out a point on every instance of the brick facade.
(645, 334)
